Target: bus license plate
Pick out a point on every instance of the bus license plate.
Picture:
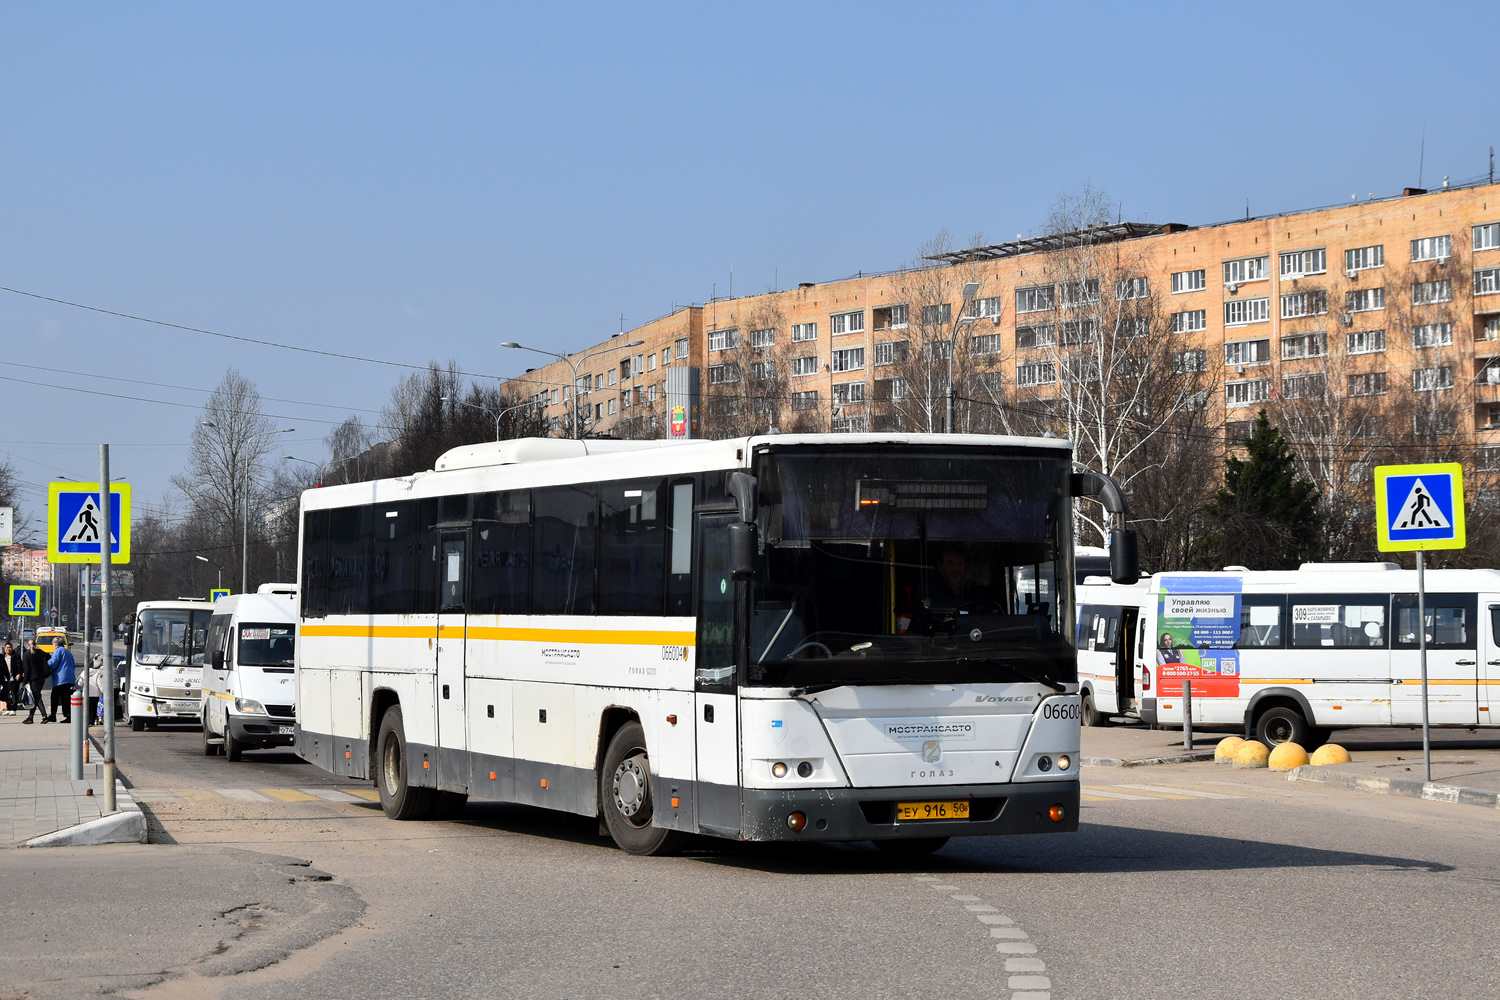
(286, 730)
(931, 810)
(184, 707)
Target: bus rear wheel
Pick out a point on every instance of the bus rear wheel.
(625, 796)
(1091, 714)
(1280, 724)
(398, 797)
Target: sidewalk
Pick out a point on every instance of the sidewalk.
(41, 807)
(1468, 775)
(1132, 746)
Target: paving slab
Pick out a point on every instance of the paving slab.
(40, 803)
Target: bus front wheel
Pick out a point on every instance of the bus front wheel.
(137, 724)
(1091, 714)
(1279, 725)
(625, 796)
(398, 797)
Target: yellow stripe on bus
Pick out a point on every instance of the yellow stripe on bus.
(614, 637)
(1275, 680)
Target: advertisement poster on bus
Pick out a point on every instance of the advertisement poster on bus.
(1198, 625)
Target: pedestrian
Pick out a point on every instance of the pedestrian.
(12, 676)
(64, 674)
(37, 673)
(92, 717)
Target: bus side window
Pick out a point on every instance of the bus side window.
(348, 561)
(1448, 618)
(1260, 623)
(563, 565)
(632, 548)
(680, 554)
(393, 557)
(500, 580)
(314, 582)
(1495, 624)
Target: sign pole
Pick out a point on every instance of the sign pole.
(108, 687)
(1422, 646)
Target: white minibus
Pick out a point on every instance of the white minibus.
(1109, 618)
(249, 682)
(164, 662)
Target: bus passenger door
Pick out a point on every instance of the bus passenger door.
(1489, 674)
(717, 709)
(450, 647)
(1453, 647)
(1124, 663)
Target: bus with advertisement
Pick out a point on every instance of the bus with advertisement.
(791, 637)
(1292, 655)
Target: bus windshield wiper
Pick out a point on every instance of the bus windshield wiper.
(1025, 675)
(798, 692)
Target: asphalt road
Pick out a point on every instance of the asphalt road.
(1185, 881)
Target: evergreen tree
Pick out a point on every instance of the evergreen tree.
(1264, 517)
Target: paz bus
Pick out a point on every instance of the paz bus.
(1292, 655)
(164, 662)
(790, 637)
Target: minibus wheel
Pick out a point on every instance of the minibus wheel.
(398, 797)
(625, 796)
(1279, 725)
(233, 748)
(137, 724)
(1091, 714)
(210, 748)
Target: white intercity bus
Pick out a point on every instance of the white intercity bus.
(1293, 655)
(164, 662)
(790, 637)
(249, 681)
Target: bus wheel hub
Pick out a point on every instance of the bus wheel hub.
(630, 786)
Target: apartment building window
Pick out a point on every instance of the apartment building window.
(1364, 300)
(1247, 352)
(891, 352)
(1432, 335)
(682, 348)
(553, 427)
(1081, 369)
(1489, 373)
(1196, 399)
(851, 425)
(1487, 236)
(938, 350)
(1237, 272)
(1131, 288)
(651, 394)
(985, 343)
(891, 317)
(1427, 424)
(1035, 298)
(1036, 373)
(1429, 379)
(1238, 431)
(939, 315)
(1189, 281)
(1365, 342)
(1304, 345)
(1426, 293)
(666, 355)
(1312, 303)
(804, 366)
(990, 381)
(1190, 321)
(1364, 258)
(1492, 416)
(890, 390)
(1491, 329)
(763, 371)
(763, 338)
(1244, 311)
(1307, 385)
(1028, 337)
(1488, 457)
(1078, 332)
(598, 411)
(804, 332)
(1367, 384)
(805, 400)
(1432, 248)
(614, 407)
(637, 366)
(723, 340)
(614, 376)
(848, 392)
(1135, 327)
(1301, 262)
(651, 362)
(1080, 293)
(847, 322)
(850, 359)
(1247, 393)
(989, 308)
(554, 403)
(1487, 281)
(599, 381)
(1190, 361)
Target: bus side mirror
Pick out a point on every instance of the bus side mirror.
(741, 551)
(218, 659)
(1124, 557)
(742, 486)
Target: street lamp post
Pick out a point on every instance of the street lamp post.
(971, 288)
(486, 409)
(577, 424)
(245, 523)
(215, 566)
(316, 465)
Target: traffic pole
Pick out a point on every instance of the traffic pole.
(108, 687)
(1422, 645)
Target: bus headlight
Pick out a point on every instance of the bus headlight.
(247, 706)
(778, 770)
(1044, 764)
(1064, 762)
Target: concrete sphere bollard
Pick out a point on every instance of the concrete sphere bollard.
(1224, 752)
(1330, 753)
(1287, 756)
(1251, 753)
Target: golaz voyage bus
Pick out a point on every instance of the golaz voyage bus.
(794, 637)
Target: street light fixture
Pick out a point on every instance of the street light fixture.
(215, 566)
(316, 465)
(577, 425)
(245, 524)
(971, 288)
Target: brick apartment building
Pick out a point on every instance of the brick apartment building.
(25, 564)
(1375, 302)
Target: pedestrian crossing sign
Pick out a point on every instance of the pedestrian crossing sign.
(25, 600)
(74, 523)
(1419, 507)
(216, 593)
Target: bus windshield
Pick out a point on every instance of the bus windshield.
(172, 636)
(887, 565)
(266, 645)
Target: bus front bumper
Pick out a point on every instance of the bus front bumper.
(870, 813)
(262, 731)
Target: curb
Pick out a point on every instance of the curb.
(126, 826)
(1410, 787)
(1186, 757)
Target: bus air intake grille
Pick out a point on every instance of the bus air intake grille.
(282, 711)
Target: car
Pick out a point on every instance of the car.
(27, 634)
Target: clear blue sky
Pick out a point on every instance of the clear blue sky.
(417, 182)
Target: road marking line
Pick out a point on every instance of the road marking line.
(243, 795)
(330, 794)
(993, 918)
(965, 899)
(1016, 948)
(1028, 983)
(1025, 965)
(980, 908)
(196, 795)
(1100, 793)
(922, 878)
(155, 794)
(1181, 791)
(1009, 933)
(945, 888)
(288, 795)
(368, 794)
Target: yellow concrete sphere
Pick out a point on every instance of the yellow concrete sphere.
(1224, 752)
(1330, 753)
(1287, 756)
(1251, 753)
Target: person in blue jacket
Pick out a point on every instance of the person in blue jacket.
(64, 674)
